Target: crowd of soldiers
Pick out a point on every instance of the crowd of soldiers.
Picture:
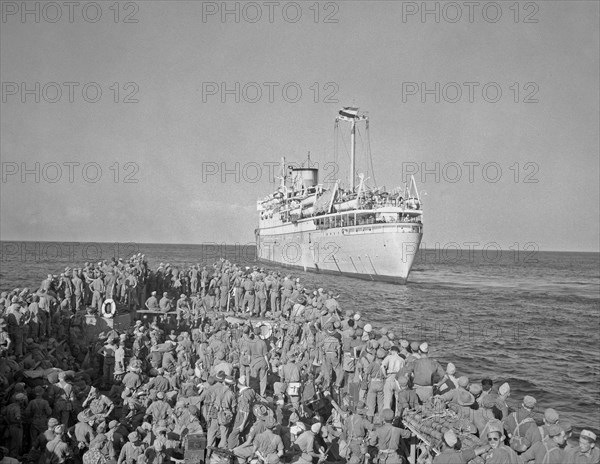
(259, 367)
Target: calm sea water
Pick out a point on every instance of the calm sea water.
(529, 318)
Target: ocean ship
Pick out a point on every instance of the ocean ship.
(344, 228)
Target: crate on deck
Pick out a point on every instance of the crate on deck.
(195, 449)
(147, 317)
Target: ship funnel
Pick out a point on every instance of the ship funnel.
(308, 176)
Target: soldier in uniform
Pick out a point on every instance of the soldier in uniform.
(332, 350)
(245, 401)
(387, 439)
(267, 445)
(248, 301)
(450, 455)
(57, 449)
(38, 410)
(261, 296)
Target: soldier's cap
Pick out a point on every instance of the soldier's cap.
(85, 416)
(387, 415)
(551, 416)
(495, 426)
(229, 380)
(465, 398)
(588, 435)
(260, 410)
(220, 377)
(565, 425)
(529, 402)
(296, 430)
(133, 436)
(504, 389)
(463, 381)
(450, 437)
(424, 347)
(301, 425)
(489, 400)
(361, 408)
(52, 422)
(554, 430)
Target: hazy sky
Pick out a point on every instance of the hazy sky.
(161, 127)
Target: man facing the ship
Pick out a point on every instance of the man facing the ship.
(286, 292)
(165, 303)
(152, 302)
(423, 370)
(248, 285)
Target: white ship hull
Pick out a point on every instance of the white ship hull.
(379, 251)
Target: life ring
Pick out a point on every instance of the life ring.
(113, 308)
(265, 331)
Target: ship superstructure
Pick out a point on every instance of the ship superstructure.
(350, 229)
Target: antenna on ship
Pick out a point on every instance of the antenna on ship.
(352, 115)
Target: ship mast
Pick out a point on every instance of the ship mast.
(352, 115)
(352, 154)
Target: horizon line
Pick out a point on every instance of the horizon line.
(251, 243)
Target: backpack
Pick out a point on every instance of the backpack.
(349, 362)
(518, 442)
(546, 459)
(224, 415)
(376, 383)
(330, 344)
